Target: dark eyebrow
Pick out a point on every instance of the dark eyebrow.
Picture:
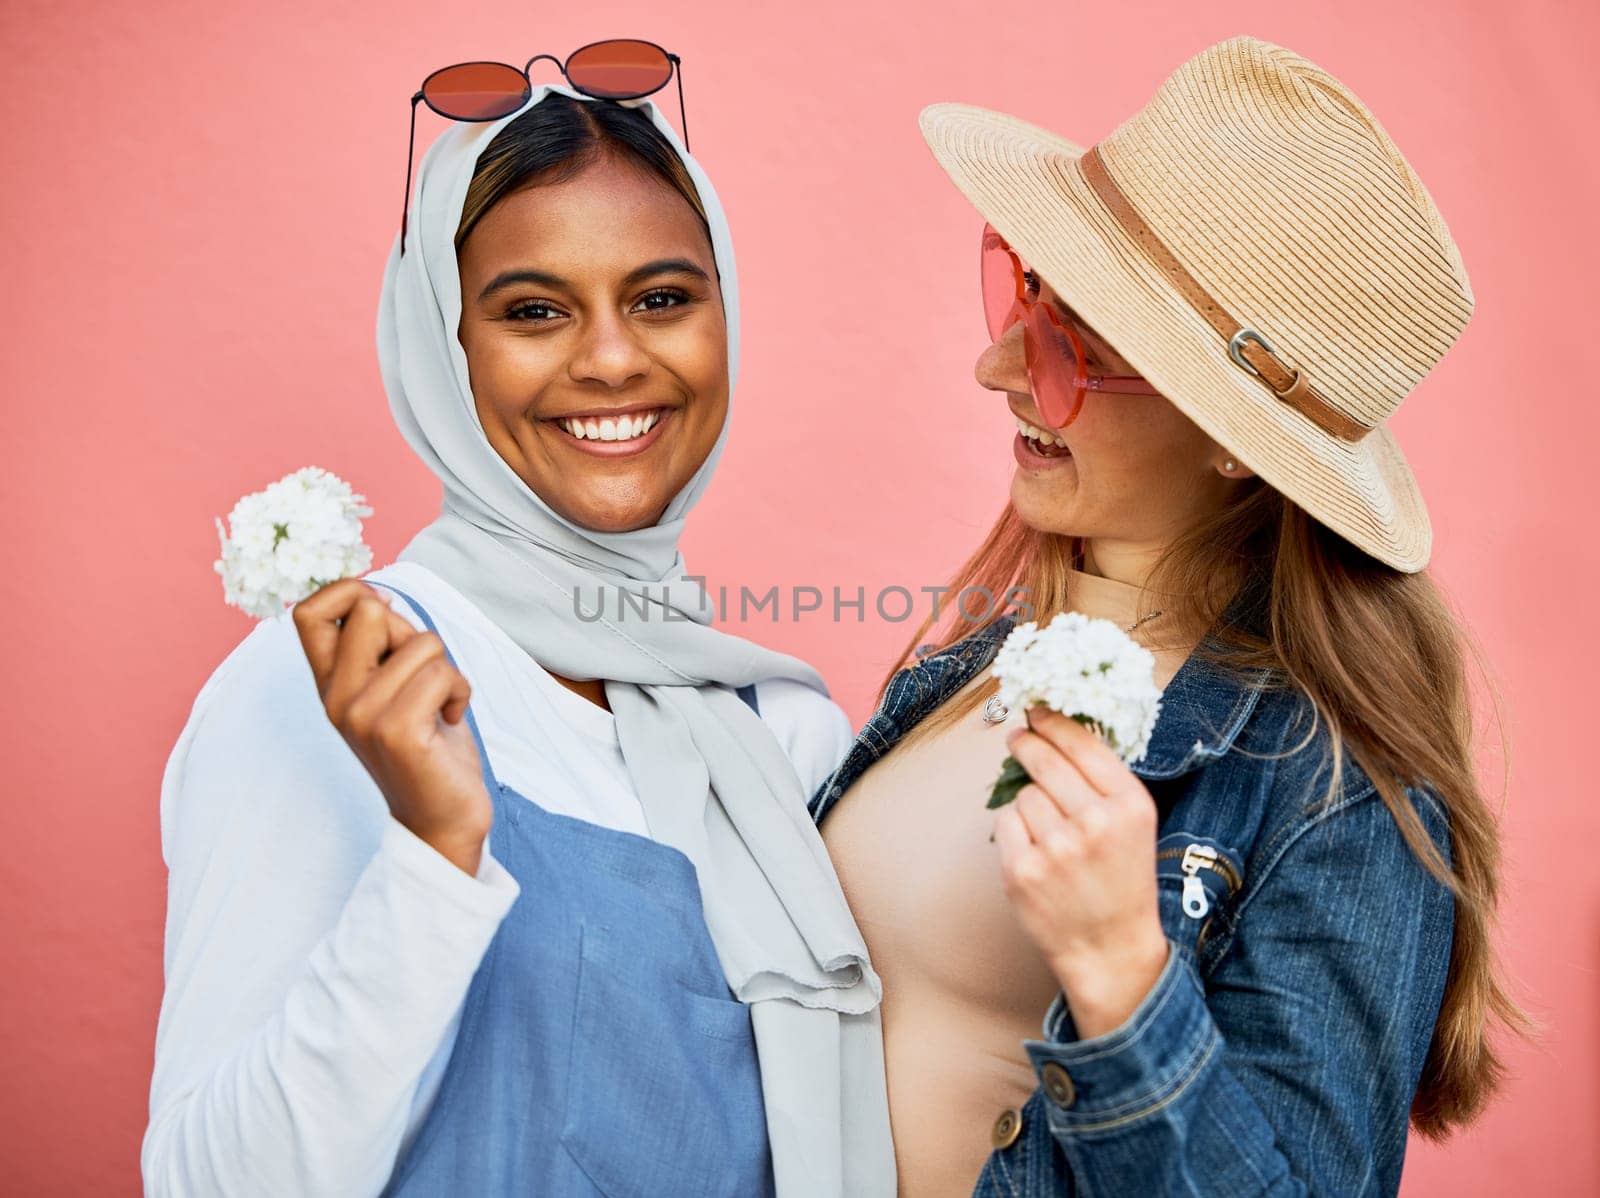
(510, 278)
(665, 266)
(539, 278)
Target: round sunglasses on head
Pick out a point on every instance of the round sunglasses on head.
(617, 69)
(1056, 359)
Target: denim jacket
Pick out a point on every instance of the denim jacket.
(1280, 1048)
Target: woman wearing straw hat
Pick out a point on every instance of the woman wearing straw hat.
(512, 891)
(1242, 964)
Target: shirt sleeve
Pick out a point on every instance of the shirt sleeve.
(1291, 1069)
(317, 952)
(812, 728)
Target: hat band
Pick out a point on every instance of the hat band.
(1248, 348)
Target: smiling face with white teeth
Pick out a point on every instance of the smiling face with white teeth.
(595, 339)
(1126, 476)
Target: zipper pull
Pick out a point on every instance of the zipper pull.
(1196, 903)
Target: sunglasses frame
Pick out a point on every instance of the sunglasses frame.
(1030, 312)
(674, 71)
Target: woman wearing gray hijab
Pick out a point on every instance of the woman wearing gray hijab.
(491, 873)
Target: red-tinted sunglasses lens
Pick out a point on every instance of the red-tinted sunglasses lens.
(1055, 368)
(1000, 298)
(475, 91)
(619, 70)
(1053, 355)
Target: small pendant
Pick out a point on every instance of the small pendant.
(994, 711)
(1142, 620)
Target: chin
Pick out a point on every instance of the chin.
(1044, 511)
(615, 516)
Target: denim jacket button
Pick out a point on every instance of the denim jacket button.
(1058, 1085)
(1006, 1129)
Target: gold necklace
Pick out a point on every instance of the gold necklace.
(995, 712)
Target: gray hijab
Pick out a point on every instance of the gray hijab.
(712, 780)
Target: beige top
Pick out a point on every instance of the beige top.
(963, 986)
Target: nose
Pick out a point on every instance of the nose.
(609, 354)
(1004, 366)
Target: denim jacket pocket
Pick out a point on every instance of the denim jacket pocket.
(1197, 878)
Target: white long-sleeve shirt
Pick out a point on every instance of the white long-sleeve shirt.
(317, 952)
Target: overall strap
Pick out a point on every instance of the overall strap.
(748, 694)
(477, 737)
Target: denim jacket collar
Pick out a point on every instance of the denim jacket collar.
(1202, 711)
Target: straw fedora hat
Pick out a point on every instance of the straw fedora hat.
(1256, 246)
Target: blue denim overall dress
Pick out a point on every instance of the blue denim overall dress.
(600, 1050)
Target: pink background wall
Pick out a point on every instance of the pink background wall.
(197, 200)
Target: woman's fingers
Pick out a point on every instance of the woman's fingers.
(385, 682)
(1094, 760)
(1051, 770)
(1040, 815)
(1038, 844)
(434, 686)
(436, 784)
(318, 619)
(1011, 835)
(365, 640)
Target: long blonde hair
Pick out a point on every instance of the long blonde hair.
(1338, 621)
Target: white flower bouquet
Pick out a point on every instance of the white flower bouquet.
(300, 533)
(1087, 669)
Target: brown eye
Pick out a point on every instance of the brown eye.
(1031, 282)
(662, 299)
(533, 312)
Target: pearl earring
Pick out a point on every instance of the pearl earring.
(1229, 466)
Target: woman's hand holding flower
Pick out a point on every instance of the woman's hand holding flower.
(1077, 851)
(400, 705)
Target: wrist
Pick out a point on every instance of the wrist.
(462, 847)
(1103, 988)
